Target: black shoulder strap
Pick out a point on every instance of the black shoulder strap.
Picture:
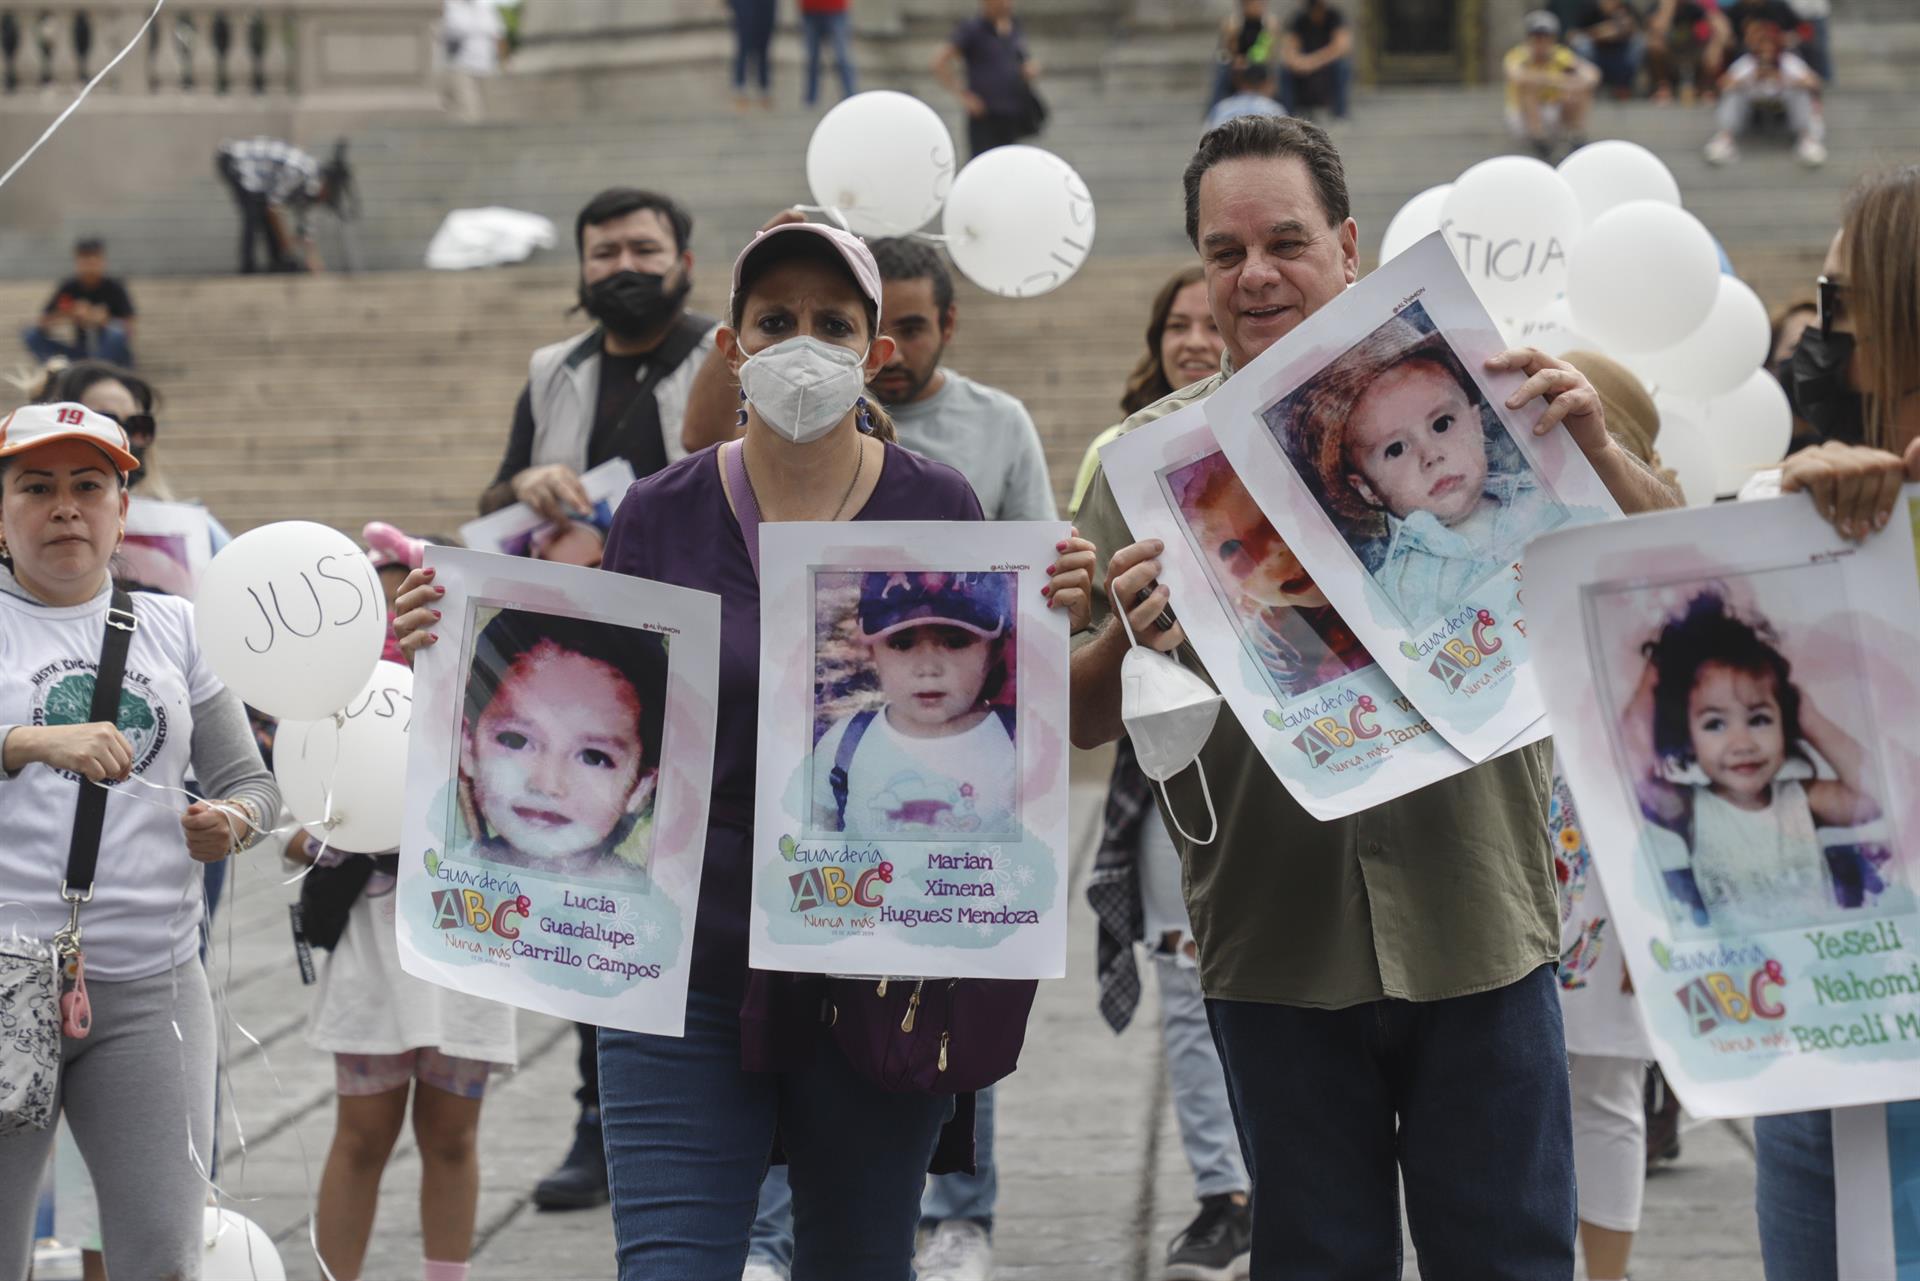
(91, 813)
(843, 761)
(636, 436)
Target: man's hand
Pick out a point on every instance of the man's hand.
(1133, 584)
(1571, 399)
(550, 490)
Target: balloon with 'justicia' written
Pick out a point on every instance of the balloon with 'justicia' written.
(1509, 222)
(1019, 222)
(291, 618)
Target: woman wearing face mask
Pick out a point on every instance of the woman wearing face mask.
(690, 1122)
(1855, 377)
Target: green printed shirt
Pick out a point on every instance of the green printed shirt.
(1441, 893)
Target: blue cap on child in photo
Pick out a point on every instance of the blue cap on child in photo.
(980, 603)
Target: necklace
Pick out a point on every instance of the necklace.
(859, 461)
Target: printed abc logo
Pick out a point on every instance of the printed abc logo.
(453, 909)
(1456, 659)
(821, 886)
(1327, 736)
(1713, 999)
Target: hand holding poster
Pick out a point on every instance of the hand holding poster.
(1326, 719)
(518, 530)
(1734, 703)
(558, 775)
(911, 816)
(1381, 448)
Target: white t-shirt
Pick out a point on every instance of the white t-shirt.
(147, 903)
(1745, 73)
(1760, 869)
(960, 785)
(472, 30)
(366, 1004)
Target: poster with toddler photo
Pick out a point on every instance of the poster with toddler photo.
(558, 772)
(1735, 706)
(1380, 446)
(168, 546)
(518, 530)
(911, 812)
(1329, 723)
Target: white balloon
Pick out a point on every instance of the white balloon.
(1718, 356)
(1643, 276)
(1552, 331)
(1748, 430)
(1019, 222)
(1509, 222)
(1612, 172)
(884, 160)
(238, 1249)
(1417, 219)
(362, 763)
(1683, 446)
(291, 617)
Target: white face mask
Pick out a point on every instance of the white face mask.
(1169, 714)
(803, 387)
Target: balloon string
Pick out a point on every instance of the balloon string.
(933, 238)
(831, 212)
(74, 106)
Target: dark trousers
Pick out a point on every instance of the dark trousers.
(753, 22)
(984, 133)
(1466, 1100)
(256, 227)
(588, 1095)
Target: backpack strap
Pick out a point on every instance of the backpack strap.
(843, 761)
(1005, 714)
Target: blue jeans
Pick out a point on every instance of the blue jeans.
(689, 1134)
(1200, 1101)
(831, 28)
(1793, 1196)
(1327, 87)
(948, 1196)
(108, 344)
(1465, 1099)
(752, 40)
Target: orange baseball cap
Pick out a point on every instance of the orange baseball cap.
(32, 426)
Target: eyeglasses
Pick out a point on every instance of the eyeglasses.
(132, 424)
(1832, 304)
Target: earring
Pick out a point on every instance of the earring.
(865, 421)
(740, 419)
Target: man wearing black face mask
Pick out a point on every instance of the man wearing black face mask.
(1819, 375)
(620, 389)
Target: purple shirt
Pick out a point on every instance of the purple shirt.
(675, 527)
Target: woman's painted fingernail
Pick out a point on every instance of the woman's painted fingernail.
(435, 613)
(1053, 569)
(439, 591)
(1047, 590)
(1059, 547)
(429, 572)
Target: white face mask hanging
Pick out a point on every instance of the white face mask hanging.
(1169, 714)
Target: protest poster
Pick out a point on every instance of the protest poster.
(558, 773)
(911, 816)
(1734, 703)
(1327, 720)
(518, 530)
(1876, 1171)
(167, 545)
(1380, 446)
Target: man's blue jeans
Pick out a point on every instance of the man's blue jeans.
(830, 29)
(108, 344)
(1793, 1196)
(1466, 1100)
(689, 1134)
(948, 1196)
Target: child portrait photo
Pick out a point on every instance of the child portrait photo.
(1402, 450)
(1286, 624)
(915, 713)
(559, 744)
(1744, 729)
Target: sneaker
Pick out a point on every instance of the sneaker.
(762, 1270)
(956, 1250)
(1720, 150)
(1216, 1246)
(580, 1181)
(1811, 153)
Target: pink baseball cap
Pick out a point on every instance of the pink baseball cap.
(31, 426)
(777, 242)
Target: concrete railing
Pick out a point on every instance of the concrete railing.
(296, 48)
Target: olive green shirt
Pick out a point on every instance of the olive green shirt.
(1444, 892)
